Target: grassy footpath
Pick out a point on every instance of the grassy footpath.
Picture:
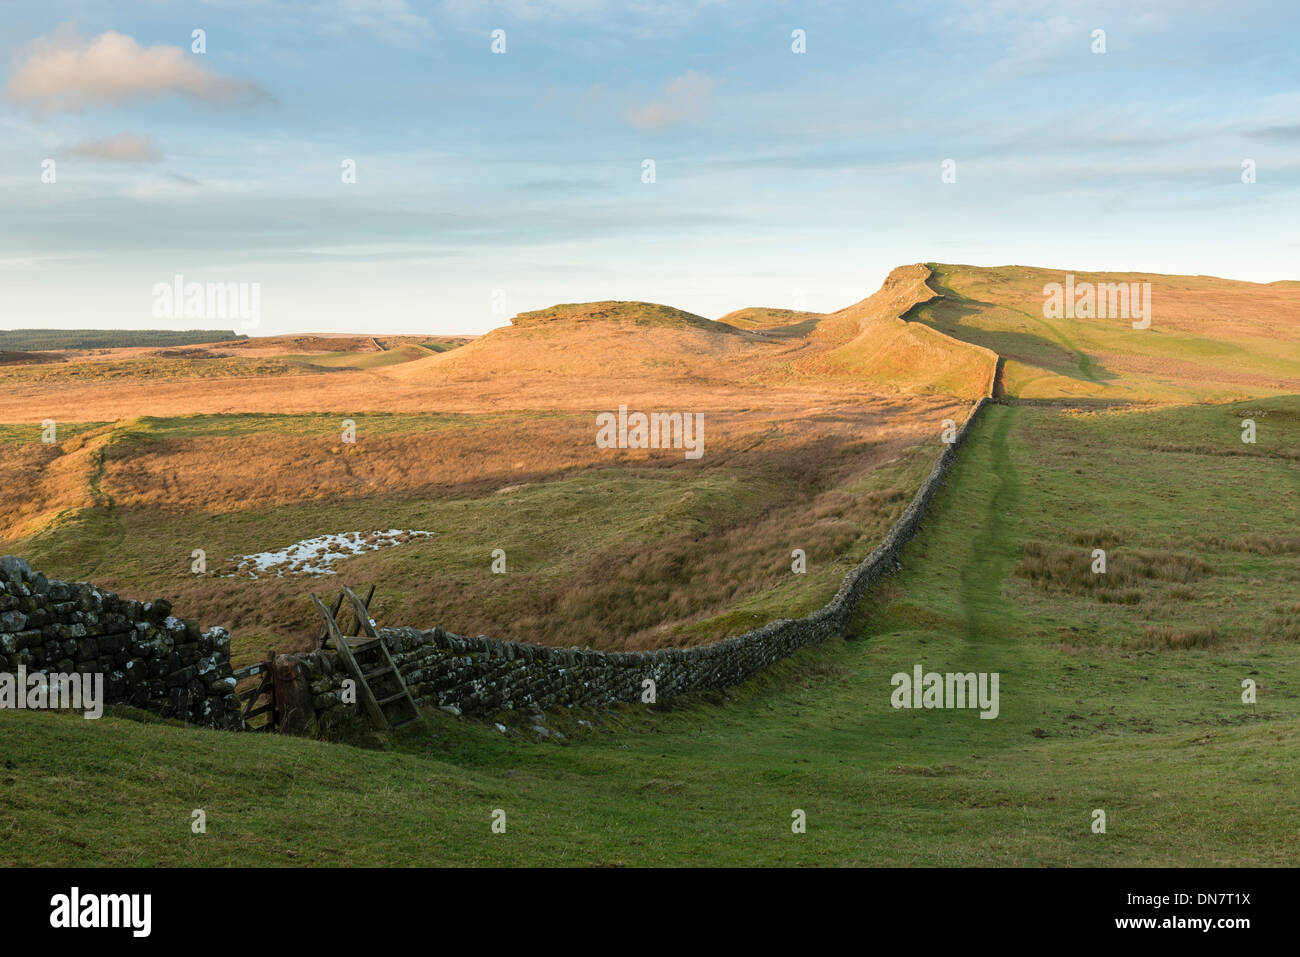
(1094, 712)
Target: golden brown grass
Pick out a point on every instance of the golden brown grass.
(1209, 338)
(871, 340)
(1173, 638)
(698, 550)
(762, 319)
(576, 357)
(1127, 571)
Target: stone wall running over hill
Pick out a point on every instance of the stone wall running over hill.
(148, 658)
(483, 675)
(155, 661)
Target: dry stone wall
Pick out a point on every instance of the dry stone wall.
(482, 675)
(148, 657)
(155, 661)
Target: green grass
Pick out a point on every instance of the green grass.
(30, 433)
(1159, 739)
(1002, 309)
(363, 360)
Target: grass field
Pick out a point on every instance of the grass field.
(1209, 339)
(631, 549)
(1103, 705)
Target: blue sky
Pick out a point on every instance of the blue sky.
(782, 179)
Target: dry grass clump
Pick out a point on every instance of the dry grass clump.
(1254, 543)
(1284, 623)
(1127, 572)
(1173, 638)
(1100, 537)
(1266, 544)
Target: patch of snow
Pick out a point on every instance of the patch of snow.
(315, 556)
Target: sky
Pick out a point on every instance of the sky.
(490, 183)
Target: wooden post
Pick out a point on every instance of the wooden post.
(325, 629)
(294, 710)
(356, 627)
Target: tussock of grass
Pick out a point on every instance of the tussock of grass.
(1127, 571)
(1257, 544)
(1284, 623)
(1101, 537)
(1173, 638)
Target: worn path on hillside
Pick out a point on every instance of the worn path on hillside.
(995, 547)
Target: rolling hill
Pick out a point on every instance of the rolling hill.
(762, 319)
(873, 341)
(1209, 339)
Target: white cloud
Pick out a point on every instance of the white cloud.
(66, 72)
(682, 99)
(122, 148)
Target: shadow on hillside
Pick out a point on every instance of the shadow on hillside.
(948, 313)
(796, 331)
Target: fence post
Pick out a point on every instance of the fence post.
(294, 710)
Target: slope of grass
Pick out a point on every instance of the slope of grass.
(877, 341)
(365, 360)
(638, 313)
(1158, 738)
(1209, 339)
(761, 317)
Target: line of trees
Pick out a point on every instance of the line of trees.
(44, 340)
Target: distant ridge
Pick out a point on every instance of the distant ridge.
(762, 317)
(868, 343)
(43, 340)
(640, 313)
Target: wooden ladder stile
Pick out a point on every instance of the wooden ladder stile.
(345, 652)
(367, 624)
(365, 672)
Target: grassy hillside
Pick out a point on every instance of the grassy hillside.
(638, 313)
(1101, 705)
(761, 318)
(1209, 339)
(875, 341)
(704, 552)
(594, 341)
(365, 360)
